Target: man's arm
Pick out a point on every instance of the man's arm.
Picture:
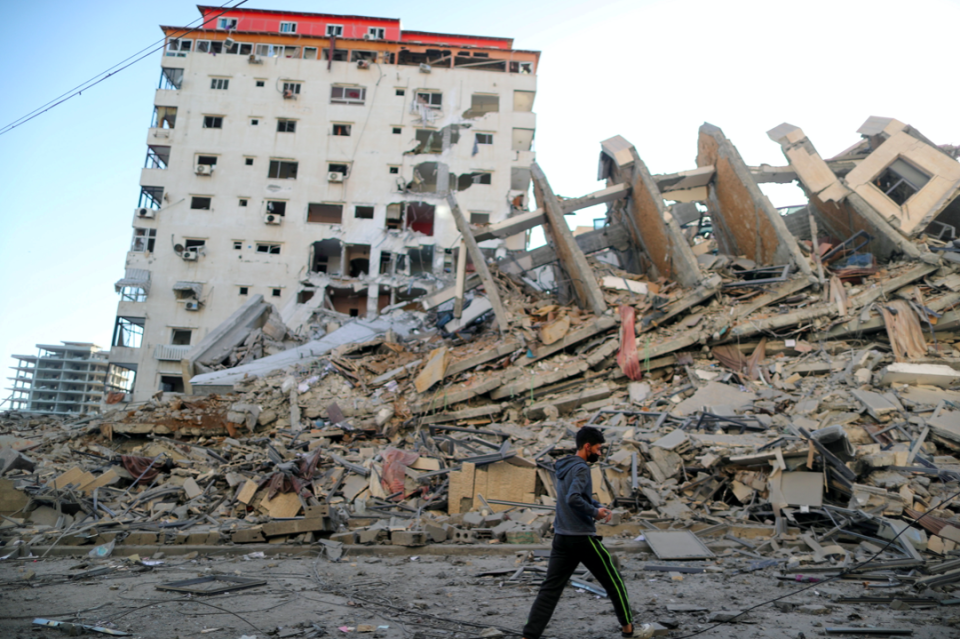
(575, 496)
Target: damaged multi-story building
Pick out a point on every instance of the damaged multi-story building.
(305, 158)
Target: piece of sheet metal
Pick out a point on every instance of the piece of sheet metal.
(676, 544)
(216, 584)
(70, 628)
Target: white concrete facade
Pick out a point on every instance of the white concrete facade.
(67, 379)
(239, 255)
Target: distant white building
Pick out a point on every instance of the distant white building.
(306, 157)
(64, 380)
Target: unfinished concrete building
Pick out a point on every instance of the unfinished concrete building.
(306, 158)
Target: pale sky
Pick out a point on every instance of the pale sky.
(651, 71)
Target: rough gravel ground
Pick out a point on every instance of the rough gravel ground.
(424, 597)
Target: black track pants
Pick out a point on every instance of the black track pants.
(568, 552)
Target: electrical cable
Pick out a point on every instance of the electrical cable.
(825, 581)
(97, 79)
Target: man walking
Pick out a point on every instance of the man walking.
(575, 541)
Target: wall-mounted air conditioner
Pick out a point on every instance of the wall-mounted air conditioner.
(255, 59)
(363, 64)
(192, 306)
(368, 36)
(335, 176)
(272, 218)
(190, 255)
(146, 214)
(425, 68)
(204, 169)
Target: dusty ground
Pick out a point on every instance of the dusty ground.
(414, 597)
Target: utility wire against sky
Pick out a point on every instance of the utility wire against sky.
(103, 75)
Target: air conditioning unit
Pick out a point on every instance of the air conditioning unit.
(229, 42)
(192, 306)
(255, 59)
(368, 36)
(425, 68)
(363, 64)
(272, 218)
(146, 214)
(190, 255)
(289, 95)
(335, 176)
(204, 169)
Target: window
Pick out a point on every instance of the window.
(341, 129)
(293, 88)
(325, 213)
(335, 30)
(200, 203)
(237, 245)
(209, 46)
(178, 48)
(363, 212)
(394, 170)
(348, 95)
(171, 79)
(143, 240)
(430, 141)
(246, 48)
(288, 27)
(900, 181)
(479, 218)
(339, 55)
(157, 157)
(150, 197)
(220, 84)
(254, 122)
(194, 244)
(133, 294)
(243, 201)
(260, 83)
(267, 51)
(212, 122)
(523, 68)
(481, 104)
(339, 168)
(244, 290)
(248, 161)
(171, 384)
(230, 24)
(128, 332)
(180, 336)
(376, 33)
(359, 55)
(208, 160)
(309, 53)
(286, 126)
(432, 99)
(484, 138)
(397, 130)
(401, 92)
(277, 207)
(270, 249)
(466, 180)
(275, 292)
(282, 169)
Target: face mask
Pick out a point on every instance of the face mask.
(592, 457)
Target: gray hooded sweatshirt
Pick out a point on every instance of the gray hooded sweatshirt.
(576, 507)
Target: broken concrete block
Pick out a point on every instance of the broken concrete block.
(248, 535)
(370, 535)
(436, 532)
(349, 537)
(408, 538)
(639, 392)
(919, 375)
(11, 460)
(472, 519)
(191, 488)
(11, 499)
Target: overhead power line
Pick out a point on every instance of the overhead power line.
(115, 69)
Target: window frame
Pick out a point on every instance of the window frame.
(489, 136)
(271, 248)
(378, 33)
(133, 327)
(289, 125)
(143, 242)
(285, 23)
(133, 294)
(214, 120)
(277, 166)
(294, 87)
(348, 127)
(429, 103)
(219, 84)
(197, 199)
(336, 27)
(221, 22)
(343, 99)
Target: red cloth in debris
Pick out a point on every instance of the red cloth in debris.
(627, 358)
(395, 462)
(137, 465)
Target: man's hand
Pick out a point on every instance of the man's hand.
(603, 514)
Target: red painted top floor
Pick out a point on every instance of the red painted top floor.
(324, 25)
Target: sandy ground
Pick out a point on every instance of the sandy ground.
(418, 597)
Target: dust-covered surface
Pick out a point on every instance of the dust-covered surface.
(394, 597)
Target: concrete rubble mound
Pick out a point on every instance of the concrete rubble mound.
(780, 388)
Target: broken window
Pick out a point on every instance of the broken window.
(164, 117)
(433, 57)
(207, 160)
(288, 27)
(522, 140)
(212, 122)
(143, 240)
(467, 180)
(432, 99)
(430, 141)
(178, 48)
(336, 167)
(219, 84)
(200, 203)
(282, 169)
(386, 262)
(376, 33)
(171, 79)
(187, 290)
(335, 30)
(327, 256)
(420, 217)
(150, 197)
(128, 332)
(394, 219)
(192, 245)
(489, 64)
(357, 56)
(180, 336)
(523, 100)
(171, 384)
(277, 207)
(157, 157)
(310, 53)
(476, 217)
(286, 126)
(291, 89)
(481, 104)
(900, 181)
(325, 213)
(348, 95)
(339, 55)
(270, 249)
(341, 129)
(291, 52)
(363, 212)
(523, 68)
(358, 259)
(484, 138)
(421, 260)
(133, 294)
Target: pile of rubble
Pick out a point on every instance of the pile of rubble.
(807, 409)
